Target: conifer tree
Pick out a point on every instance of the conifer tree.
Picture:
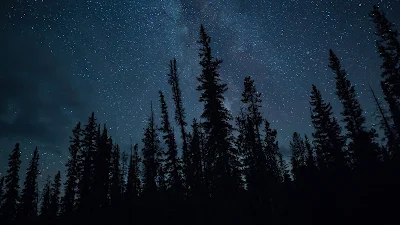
(172, 166)
(328, 139)
(388, 47)
(222, 158)
(115, 189)
(55, 193)
(29, 196)
(11, 195)
(363, 146)
(180, 116)
(68, 201)
(102, 167)
(151, 151)
(46, 200)
(252, 99)
(271, 149)
(86, 162)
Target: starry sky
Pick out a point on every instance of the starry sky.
(61, 60)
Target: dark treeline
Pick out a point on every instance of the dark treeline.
(231, 170)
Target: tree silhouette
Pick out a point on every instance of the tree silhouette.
(363, 146)
(29, 196)
(86, 163)
(388, 47)
(55, 193)
(173, 164)
(68, 200)
(46, 200)
(11, 197)
(328, 140)
(151, 150)
(180, 116)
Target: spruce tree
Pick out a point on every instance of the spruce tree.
(252, 99)
(151, 151)
(46, 200)
(363, 146)
(29, 196)
(180, 116)
(102, 164)
(55, 193)
(328, 139)
(86, 162)
(11, 195)
(173, 165)
(388, 47)
(70, 190)
(222, 159)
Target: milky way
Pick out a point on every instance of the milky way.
(61, 60)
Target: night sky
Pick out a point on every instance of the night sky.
(61, 60)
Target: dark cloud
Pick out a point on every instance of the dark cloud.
(38, 95)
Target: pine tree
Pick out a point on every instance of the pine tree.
(151, 151)
(29, 196)
(102, 167)
(68, 201)
(86, 162)
(328, 139)
(46, 200)
(173, 165)
(11, 196)
(388, 47)
(363, 146)
(173, 80)
(115, 189)
(55, 193)
(252, 99)
(222, 158)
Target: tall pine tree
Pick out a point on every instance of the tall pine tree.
(70, 190)
(29, 196)
(328, 139)
(388, 47)
(180, 116)
(55, 193)
(363, 146)
(173, 165)
(11, 196)
(46, 200)
(151, 150)
(222, 158)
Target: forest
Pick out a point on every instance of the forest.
(228, 169)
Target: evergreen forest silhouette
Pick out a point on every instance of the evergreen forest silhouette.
(230, 170)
